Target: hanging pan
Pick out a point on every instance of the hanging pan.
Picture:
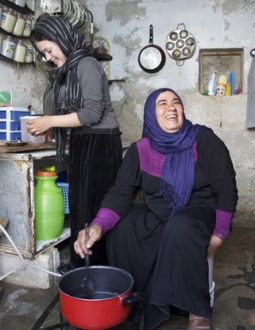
(151, 58)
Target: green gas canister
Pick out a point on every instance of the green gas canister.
(49, 206)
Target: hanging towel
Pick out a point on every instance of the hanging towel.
(250, 115)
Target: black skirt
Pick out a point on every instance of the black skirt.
(94, 162)
(167, 259)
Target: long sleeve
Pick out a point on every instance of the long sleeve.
(122, 194)
(218, 168)
(91, 80)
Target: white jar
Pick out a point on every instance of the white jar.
(8, 47)
(20, 52)
(29, 52)
(1, 41)
(3, 14)
(20, 3)
(28, 27)
(8, 20)
(19, 25)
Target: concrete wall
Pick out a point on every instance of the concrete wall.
(26, 83)
(125, 23)
(215, 24)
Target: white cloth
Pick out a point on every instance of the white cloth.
(250, 115)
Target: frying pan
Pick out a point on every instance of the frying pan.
(151, 58)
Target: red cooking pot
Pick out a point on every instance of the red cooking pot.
(97, 297)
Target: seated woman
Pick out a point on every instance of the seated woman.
(187, 177)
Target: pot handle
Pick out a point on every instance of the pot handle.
(133, 298)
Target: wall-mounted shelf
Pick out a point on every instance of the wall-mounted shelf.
(9, 60)
(110, 81)
(222, 60)
(22, 10)
(12, 35)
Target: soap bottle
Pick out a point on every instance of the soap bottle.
(212, 84)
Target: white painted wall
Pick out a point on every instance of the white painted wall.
(215, 24)
(26, 83)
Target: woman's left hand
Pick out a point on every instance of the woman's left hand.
(215, 243)
(39, 126)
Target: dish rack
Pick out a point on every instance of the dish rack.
(65, 193)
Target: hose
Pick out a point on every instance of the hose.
(24, 262)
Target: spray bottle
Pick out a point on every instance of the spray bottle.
(212, 84)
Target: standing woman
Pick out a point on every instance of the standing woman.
(82, 104)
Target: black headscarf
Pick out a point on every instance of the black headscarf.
(72, 44)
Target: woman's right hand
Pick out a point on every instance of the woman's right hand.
(39, 126)
(83, 244)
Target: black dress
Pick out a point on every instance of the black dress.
(167, 255)
(94, 162)
(95, 151)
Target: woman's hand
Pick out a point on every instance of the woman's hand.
(215, 243)
(39, 126)
(80, 246)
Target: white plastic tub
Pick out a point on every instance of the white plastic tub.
(27, 137)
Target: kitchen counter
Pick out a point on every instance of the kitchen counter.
(4, 148)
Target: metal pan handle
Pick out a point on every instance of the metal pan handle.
(151, 34)
(179, 62)
(181, 26)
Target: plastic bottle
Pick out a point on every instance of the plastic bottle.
(20, 52)
(232, 82)
(49, 206)
(228, 89)
(220, 91)
(212, 84)
(19, 25)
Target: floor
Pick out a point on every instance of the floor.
(234, 274)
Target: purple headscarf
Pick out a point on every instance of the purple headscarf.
(179, 168)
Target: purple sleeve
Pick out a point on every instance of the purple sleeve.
(223, 223)
(106, 219)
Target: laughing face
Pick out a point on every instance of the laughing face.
(51, 52)
(169, 112)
